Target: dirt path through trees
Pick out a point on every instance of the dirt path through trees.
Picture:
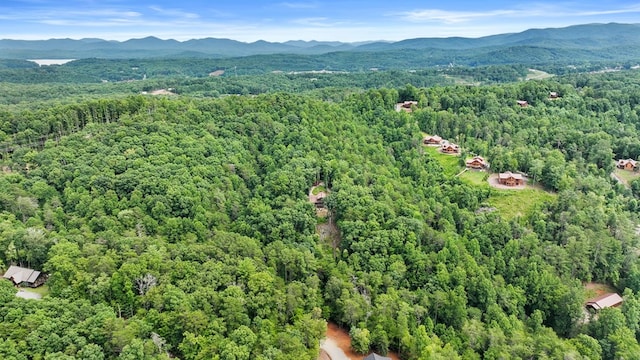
(338, 344)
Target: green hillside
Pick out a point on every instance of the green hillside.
(179, 226)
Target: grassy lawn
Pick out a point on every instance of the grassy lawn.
(449, 163)
(534, 74)
(42, 290)
(593, 289)
(462, 80)
(626, 175)
(509, 203)
(512, 203)
(474, 177)
(318, 189)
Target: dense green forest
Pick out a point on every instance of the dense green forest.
(179, 226)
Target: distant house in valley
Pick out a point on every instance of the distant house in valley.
(627, 164)
(374, 356)
(406, 106)
(553, 95)
(450, 148)
(477, 163)
(510, 179)
(24, 276)
(432, 140)
(522, 103)
(604, 301)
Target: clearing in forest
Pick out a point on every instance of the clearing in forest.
(338, 339)
(513, 203)
(475, 177)
(625, 176)
(509, 202)
(534, 74)
(594, 289)
(450, 164)
(33, 293)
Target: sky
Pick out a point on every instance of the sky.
(279, 21)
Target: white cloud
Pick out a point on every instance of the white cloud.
(314, 21)
(450, 17)
(174, 12)
(531, 10)
(299, 5)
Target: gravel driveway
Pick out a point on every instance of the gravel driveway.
(333, 350)
(25, 294)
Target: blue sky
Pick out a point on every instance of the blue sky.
(296, 20)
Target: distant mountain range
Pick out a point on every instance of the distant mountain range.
(595, 41)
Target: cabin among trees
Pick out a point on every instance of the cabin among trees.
(477, 162)
(432, 140)
(24, 276)
(553, 95)
(450, 148)
(522, 103)
(627, 164)
(406, 106)
(510, 179)
(317, 194)
(604, 301)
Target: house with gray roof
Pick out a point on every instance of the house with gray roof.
(25, 276)
(374, 356)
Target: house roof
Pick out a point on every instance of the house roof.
(19, 274)
(433, 138)
(406, 106)
(627, 161)
(605, 301)
(509, 174)
(479, 159)
(522, 102)
(374, 356)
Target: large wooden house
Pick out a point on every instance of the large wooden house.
(432, 140)
(477, 163)
(510, 179)
(450, 148)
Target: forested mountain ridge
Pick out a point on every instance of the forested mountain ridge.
(180, 226)
(573, 44)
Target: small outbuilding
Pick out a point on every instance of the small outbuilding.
(510, 179)
(25, 276)
(627, 164)
(553, 95)
(374, 356)
(604, 301)
(522, 103)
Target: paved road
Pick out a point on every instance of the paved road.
(333, 350)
